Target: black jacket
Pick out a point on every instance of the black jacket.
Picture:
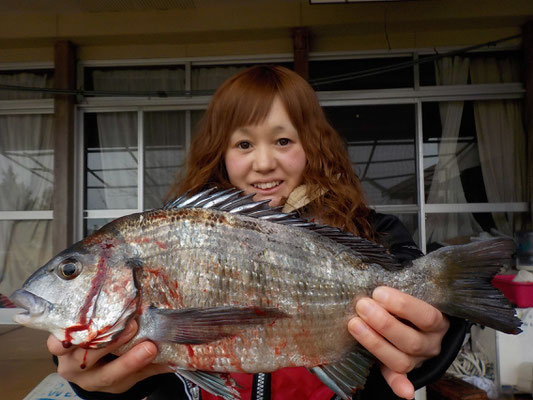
(392, 234)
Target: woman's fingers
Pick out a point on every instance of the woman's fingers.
(74, 357)
(381, 348)
(122, 373)
(91, 370)
(421, 314)
(401, 331)
(420, 330)
(399, 383)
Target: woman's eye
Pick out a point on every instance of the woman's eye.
(243, 145)
(69, 269)
(283, 141)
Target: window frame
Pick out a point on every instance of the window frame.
(416, 95)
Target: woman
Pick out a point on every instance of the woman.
(265, 133)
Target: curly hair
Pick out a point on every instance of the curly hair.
(246, 99)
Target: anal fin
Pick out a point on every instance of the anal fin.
(348, 375)
(218, 384)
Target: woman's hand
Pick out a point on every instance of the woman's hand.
(399, 330)
(114, 376)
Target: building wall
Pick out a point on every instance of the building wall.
(222, 28)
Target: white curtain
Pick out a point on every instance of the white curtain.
(446, 186)
(26, 183)
(164, 154)
(501, 140)
(117, 167)
(164, 136)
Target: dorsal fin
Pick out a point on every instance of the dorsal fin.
(230, 200)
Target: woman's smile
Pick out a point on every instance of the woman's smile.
(268, 158)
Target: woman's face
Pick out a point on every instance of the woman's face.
(267, 159)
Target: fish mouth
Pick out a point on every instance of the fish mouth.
(34, 305)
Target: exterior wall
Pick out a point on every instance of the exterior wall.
(259, 27)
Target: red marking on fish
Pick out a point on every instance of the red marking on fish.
(162, 245)
(96, 284)
(70, 330)
(155, 277)
(234, 359)
(157, 216)
(259, 311)
(84, 363)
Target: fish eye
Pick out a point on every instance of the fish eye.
(69, 269)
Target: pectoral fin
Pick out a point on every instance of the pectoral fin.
(203, 325)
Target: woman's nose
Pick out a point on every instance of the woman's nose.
(264, 159)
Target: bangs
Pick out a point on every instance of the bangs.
(246, 99)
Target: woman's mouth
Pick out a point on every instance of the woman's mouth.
(266, 185)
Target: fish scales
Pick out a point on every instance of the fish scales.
(245, 273)
(240, 287)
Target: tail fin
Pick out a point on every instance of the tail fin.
(467, 276)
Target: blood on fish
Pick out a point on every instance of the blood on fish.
(190, 350)
(83, 364)
(259, 311)
(66, 344)
(95, 287)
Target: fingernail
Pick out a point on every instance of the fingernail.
(146, 350)
(380, 294)
(358, 327)
(364, 307)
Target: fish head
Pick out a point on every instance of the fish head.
(84, 296)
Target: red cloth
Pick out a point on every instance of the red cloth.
(287, 384)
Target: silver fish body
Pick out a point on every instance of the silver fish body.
(223, 284)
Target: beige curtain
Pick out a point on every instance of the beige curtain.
(446, 186)
(501, 141)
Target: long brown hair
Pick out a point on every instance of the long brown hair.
(246, 99)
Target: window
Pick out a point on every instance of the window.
(26, 177)
(407, 129)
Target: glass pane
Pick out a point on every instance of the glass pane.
(450, 228)
(34, 79)
(111, 160)
(210, 77)
(136, 79)
(93, 224)
(382, 149)
(164, 154)
(26, 162)
(459, 228)
(368, 73)
(410, 221)
(24, 247)
(451, 156)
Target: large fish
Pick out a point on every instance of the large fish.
(224, 284)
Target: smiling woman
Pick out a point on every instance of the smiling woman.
(276, 101)
(268, 158)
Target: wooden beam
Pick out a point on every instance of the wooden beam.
(527, 40)
(300, 40)
(64, 78)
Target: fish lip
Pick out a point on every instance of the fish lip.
(33, 304)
